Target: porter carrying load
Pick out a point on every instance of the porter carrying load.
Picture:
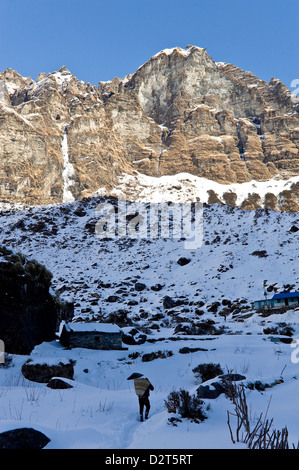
(142, 389)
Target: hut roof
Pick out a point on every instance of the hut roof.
(92, 326)
(284, 295)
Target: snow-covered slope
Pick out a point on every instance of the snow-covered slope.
(63, 238)
(240, 250)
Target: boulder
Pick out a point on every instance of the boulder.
(168, 302)
(134, 337)
(43, 373)
(112, 298)
(139, 286)
(60, 384)
(183, 261)
(157, 287)
(204, 391)
(23, 438)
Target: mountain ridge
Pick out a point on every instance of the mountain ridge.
(180, 112)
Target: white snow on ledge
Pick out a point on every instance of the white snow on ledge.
(185, 187)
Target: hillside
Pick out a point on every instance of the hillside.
(207, 318)
(63, 238)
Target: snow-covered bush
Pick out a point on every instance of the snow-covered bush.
(188, 406)
(207, 371)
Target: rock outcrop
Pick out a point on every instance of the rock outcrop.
(180, 112)
(29, 314)
(43, 373)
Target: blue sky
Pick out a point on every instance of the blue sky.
(98, 40)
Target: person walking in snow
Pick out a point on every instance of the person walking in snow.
(142, 389)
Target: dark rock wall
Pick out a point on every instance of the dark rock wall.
(28, 312)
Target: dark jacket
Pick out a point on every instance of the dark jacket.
(147, 391)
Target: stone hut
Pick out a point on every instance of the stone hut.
(91, 335)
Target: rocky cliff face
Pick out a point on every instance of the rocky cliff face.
(180, 112)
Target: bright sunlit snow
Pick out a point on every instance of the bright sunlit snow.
(184, 187)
